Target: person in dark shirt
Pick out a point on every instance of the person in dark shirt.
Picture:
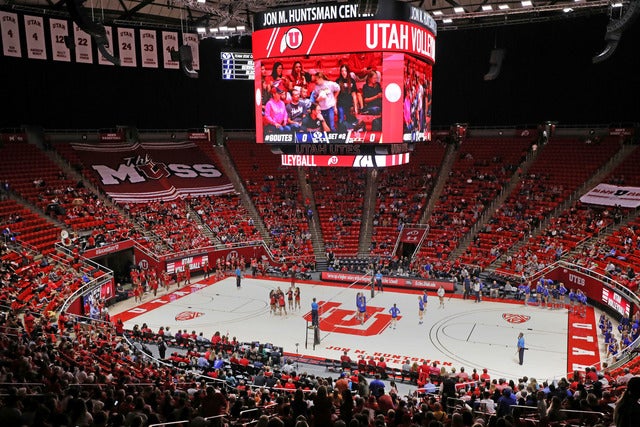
(372, 94)
(314, 122)
(296, 110)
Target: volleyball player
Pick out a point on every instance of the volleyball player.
(394, 311)
(572, 300)
(296, 297)
(441, 296)
(420, 310)
(361, 304)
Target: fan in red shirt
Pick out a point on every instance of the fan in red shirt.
(29, 322)
(372, 365)
(345, 361)
(362, 364)
(485, 376)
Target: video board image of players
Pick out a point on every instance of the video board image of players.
(417, 99)
(321, 99)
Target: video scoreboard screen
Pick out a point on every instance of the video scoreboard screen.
(237, 65)
(344, 74)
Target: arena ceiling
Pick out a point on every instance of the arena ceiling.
(190, 14)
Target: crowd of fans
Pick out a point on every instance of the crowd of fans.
(93, 373)
(60, 371)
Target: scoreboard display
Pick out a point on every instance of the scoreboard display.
(237, 65)
(344, 73)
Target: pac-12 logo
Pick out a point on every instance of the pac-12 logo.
(291, 39)
(515, 318)
(336, 319)
(188, 315)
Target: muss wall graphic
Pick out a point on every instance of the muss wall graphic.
(153, 171)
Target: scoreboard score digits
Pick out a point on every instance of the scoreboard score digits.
(237, 65)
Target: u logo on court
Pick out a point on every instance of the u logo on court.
(336, 319)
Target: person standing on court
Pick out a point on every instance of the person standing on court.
(238, 277)
(379, 281)
(477, 288)
(394, 311)
(314, 313)
(441, 296)
(521, 347)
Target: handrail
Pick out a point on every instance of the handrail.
(19, 384)
(168, 423)
(83, 290)
(89, 261)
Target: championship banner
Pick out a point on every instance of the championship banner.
(412, 235)
(148, 48)
(83, 42)
(192, 40)
(127, 47)
(10, 34)
(357, 161)
(143, 172)
(613, 195)
(169, 43)
(34, 35)
(59, 31)
(398, 282)
(110, 48)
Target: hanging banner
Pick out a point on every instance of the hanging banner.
(82, 41)
(110, 48)
(412, 235)
(59, 32)
(148, 48)
(613, 195)
(127, 47)
(10, 34)
(34, 34)
(148, 171)
(169, 43)
(192, 40)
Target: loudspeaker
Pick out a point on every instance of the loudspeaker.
(215, 134)
(81, 17)
(186, 61)
(96, 30)
(495, 64)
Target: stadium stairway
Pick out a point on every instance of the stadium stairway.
(368, 208)
(229, 167)
(317, 240)
(441, 180)
(612, 229)
(202, 226)
(595, 179)
(490, 211)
